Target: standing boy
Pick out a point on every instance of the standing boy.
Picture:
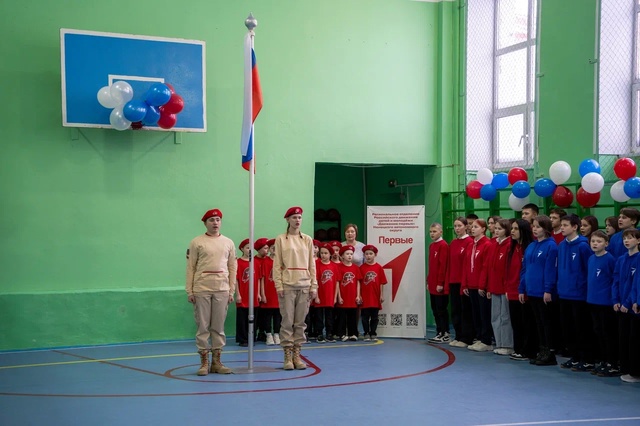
(573, 261)
(438, 291)
(555, 215)
(210, 284)
(627, 219)
(373, 277)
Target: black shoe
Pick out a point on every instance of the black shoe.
(570, 364)
(518, 357)
(583, 366)
(547, 358)
(321, 339)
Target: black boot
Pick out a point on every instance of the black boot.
(538, 357)
(548, 358)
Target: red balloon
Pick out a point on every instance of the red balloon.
(625, 168)
(175, 104)
(516, 174)
(473, 189)
(563, 197)
(586, 199)
(167, 121)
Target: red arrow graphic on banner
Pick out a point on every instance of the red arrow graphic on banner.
(397, 267)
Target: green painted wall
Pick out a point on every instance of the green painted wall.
(107, 215)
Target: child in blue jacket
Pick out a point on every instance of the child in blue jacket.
(573, 257)
(605, 324)
(538, 280)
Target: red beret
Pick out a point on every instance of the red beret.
(292, 211)
(335, 244)
(271, 242)
(346, 247)
(212, 213)
(370, 247)
(259, 243)
(243, 243)
(327, 246)
(317, 243)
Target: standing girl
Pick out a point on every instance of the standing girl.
(269, 304)
(294, 273)
(538, 282)
(496, 271)
(460, 303)
(474, 285)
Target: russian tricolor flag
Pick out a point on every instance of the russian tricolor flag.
(252, 101)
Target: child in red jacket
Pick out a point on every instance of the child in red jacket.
(438, 292)
(373, 278)
(328, 279)
(496, 271)
(460, 303)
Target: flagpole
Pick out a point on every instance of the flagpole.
(251, 23)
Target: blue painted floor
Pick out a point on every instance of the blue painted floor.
(392, 381)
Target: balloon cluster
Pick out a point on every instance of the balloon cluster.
(487, 184)
(160, 106)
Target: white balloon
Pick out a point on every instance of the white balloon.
(117, 119)
(121, 92)
(617, 192)
(592, 182)
(104, 97)
(485, 176)
(560, 172)
(517, 203)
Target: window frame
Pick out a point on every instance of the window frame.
(526, 110)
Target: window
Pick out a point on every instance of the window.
(501, 64)
(618, 78)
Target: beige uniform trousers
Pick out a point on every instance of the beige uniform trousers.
(210, 311)
(294, 306)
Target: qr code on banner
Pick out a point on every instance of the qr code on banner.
(412, 320)
(396, 320)
(382, 320)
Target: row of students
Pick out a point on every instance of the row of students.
(499, 288)
(343, 289)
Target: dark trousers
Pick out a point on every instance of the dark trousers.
(439, 305)
(577, 330)
(605, 327)
(242, 325)
(466, 315)
(481, 311)
(324, 321)
(310, 321)
(369, 321)
(456, 309)
(542, 314)
(525, 335)
(347, 321)
(271, 320)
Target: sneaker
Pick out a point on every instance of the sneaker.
(344, 338)
(435, 339)
(374, 338)
(518, 357)
(480, 347)
(445, 337)
(454, 342)
(503, 351)
(570, 363)
(583, 366)
(270, 341)
(353, 338)
(612, 371)
(458, 344)
(628, 378)
(330, 339)
(321, 339)
(276, 338)
(599, 368)
(367, 338)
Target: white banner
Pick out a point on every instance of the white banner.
(398, 232)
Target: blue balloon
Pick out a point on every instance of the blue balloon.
(521, 189)
(488, 192)
(158, 94)
(152, 116)
(500, 180)
(588, 166)
(544, 187)
(134, 110)
(632, 187)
